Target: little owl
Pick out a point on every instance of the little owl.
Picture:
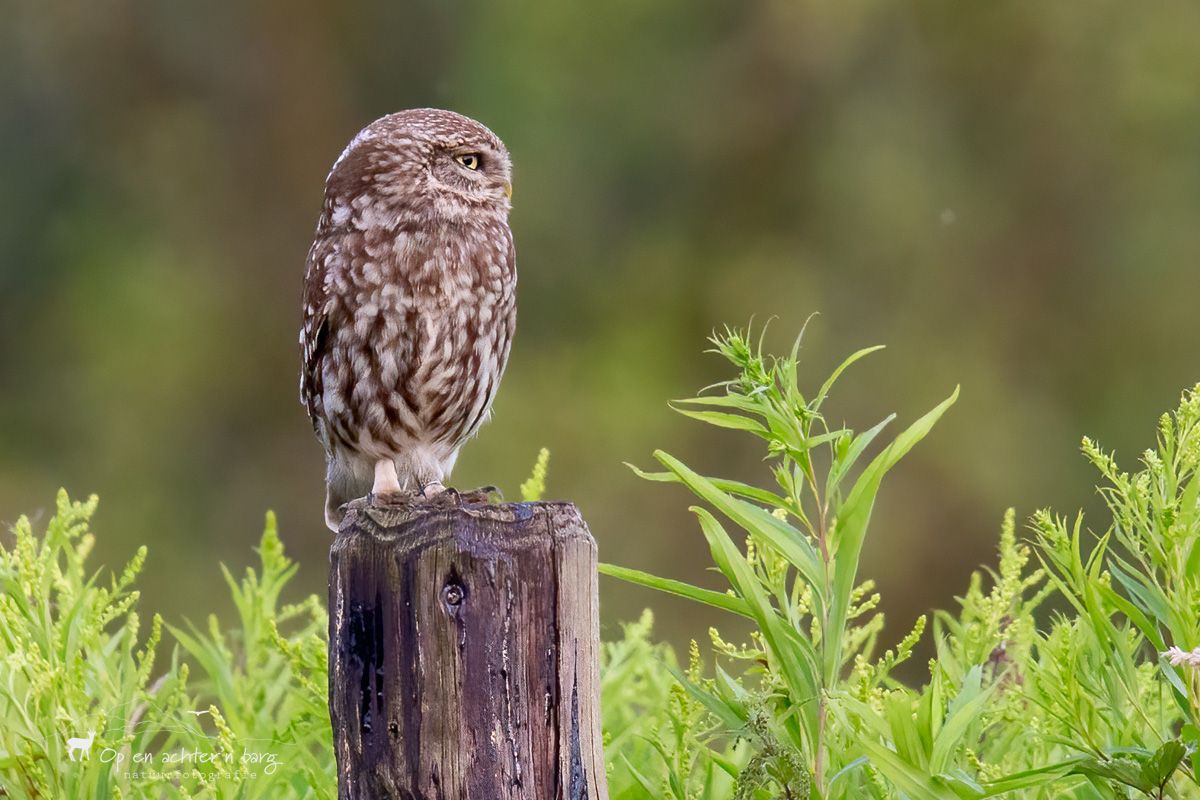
(409, 303)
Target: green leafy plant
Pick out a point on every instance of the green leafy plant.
(250, 722)
(534, 486)
(1071, 703)
(796, 579)
(655, 730)
(1125, 664)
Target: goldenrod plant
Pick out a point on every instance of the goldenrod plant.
(93, 706)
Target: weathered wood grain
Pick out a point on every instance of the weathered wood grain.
(463, 654)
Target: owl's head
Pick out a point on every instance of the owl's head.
(427, 163)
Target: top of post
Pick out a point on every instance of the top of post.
(410, 520)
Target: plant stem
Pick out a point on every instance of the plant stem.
(822, 710)
(819, 761)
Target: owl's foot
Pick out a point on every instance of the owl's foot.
(448, 497)
(410, 501)
(481, 496)
(433, 489)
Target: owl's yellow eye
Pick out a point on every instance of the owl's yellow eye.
(468, 160)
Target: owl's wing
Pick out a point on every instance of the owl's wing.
(314, 329)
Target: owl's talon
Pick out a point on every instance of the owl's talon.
(433, 489)
(481, 496)
(375, 499)
(436, 495)
(449, 497)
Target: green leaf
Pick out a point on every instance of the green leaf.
(765, 528)
(964, 709)
(846, 770)
(1159, 768)
(732, 714)
(740, 402)
(851, 529)
(723, 420)
(821, 395)
(1030, 778)
(1125, 770)
(647, 785)
(679, 588)
(897, 706)
(909, 779)
(845, 461)
(794, 655)
(732, 487)
(962, 784)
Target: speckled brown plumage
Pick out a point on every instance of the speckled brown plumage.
(409, 300)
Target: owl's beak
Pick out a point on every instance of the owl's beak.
(508, 190)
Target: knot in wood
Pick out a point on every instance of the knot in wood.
(454, 593)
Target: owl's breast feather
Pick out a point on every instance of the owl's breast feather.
(452, 277)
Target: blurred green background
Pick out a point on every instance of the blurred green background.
(1005, 193)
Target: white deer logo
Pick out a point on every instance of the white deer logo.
(84, 746)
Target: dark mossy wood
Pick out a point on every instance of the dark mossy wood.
(463, 653)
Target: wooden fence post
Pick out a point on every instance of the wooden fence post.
(463, 653)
